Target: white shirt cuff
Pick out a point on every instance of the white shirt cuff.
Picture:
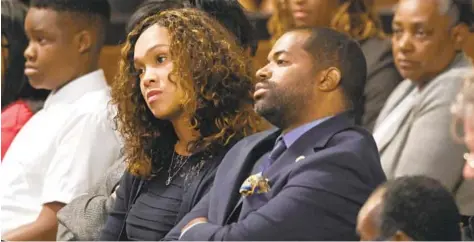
(188, 228)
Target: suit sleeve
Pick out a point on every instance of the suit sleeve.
(317, 203)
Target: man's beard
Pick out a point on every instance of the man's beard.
(276, 109)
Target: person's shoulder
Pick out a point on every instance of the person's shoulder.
(380, 46)
(350, 154)
(456, 72)
(246, 144)
(353, 141)
(94, 106)
(254, 137)
(17, 113)
(128, 177)
(94, 102)
(444, 87)
(263, 133)
(377, 52)
(355, 135)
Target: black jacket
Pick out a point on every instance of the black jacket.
(317, 187)
(131, 186)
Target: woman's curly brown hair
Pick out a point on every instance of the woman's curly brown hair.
(214, 73)
(357, 18)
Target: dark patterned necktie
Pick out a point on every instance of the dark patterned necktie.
(277, 150)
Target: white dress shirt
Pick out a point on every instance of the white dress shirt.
(60, 152)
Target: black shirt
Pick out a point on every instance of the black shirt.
(157, 208)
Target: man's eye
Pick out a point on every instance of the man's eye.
(40, 40)
(420, 33)
(281, 62)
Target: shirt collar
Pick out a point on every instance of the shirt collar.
(292, 136)
(77, 88)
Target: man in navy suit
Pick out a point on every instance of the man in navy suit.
(307, 179)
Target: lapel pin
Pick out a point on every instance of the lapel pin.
(299, 158)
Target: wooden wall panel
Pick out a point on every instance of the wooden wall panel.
(109, 61)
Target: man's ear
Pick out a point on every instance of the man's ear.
(459, 35)
(330, 79)
(84, 41)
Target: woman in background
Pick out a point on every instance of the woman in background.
(184, 97)
(463, 107)
(463, 110)
(19, 100)
(358, 19)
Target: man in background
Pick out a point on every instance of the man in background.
(416, 208)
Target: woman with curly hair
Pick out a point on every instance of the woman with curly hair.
(358, 19)
(184, 97)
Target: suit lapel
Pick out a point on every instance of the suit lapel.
(402, 115)
(395, 98)
(242, 166)
(313, 140)
(387, 138)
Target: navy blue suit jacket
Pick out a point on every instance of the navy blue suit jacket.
(318, 186)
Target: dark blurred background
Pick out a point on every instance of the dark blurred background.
(258, 12)
(122, 9)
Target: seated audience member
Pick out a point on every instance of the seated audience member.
(414, 124)
(19, 100)
(463, 107)
(358, 19)
(84, 218)
(67, 146)
(308, 178)
(181, 106)
(410, 208)
(463, 111)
